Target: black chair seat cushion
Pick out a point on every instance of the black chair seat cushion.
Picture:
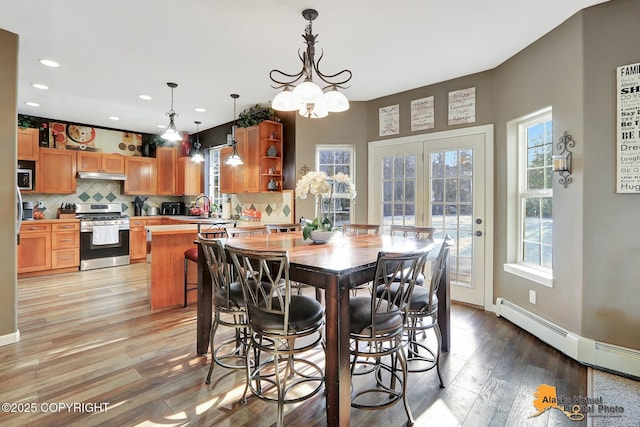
(304, 313)
(419, 299)
(361, 322)
(191, 254)
(236, 298)
(420, 280)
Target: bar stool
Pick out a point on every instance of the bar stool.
(212, 231)
(377, 331)
(283, 328)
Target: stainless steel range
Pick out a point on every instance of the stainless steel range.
(104, 235)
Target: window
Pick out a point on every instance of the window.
(212, 176)
(332, 159)
(533, 137)
(399, 184)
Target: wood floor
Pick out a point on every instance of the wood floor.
(90, 337)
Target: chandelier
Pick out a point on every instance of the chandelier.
(234, 158)
(171, 133)
(309, 99)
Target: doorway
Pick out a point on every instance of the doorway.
(443, 180)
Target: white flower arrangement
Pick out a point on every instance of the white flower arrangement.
(322, 187)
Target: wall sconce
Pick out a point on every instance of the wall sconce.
(562, 160)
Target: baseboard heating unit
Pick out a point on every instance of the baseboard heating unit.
(584, 350)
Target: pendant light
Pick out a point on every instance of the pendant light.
(197, 155)
(299, 91)
(234, 159)
(171, 133)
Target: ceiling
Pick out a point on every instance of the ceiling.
(110, 52)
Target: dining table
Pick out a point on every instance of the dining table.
(337, 267)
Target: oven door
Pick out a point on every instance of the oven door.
(107, 255)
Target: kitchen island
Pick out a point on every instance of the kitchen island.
(168, 243)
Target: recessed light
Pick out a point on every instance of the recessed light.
(162, 126)
(40, 86)
(32, 104)
(114, 118)
(200, 110)
(145, 97)
(49, 63)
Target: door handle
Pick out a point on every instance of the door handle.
(478, 233)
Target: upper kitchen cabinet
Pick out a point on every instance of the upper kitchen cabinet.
(260, 148)
(56, 171)
(271, 148)
(28, 144)
(188, 177)
(89, 161)
(166, 158)
(141, 175)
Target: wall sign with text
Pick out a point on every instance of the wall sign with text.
(628, 129)
(462, 106)
(389, 120)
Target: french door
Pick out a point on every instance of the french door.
(441, 180)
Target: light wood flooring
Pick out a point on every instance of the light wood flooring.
(90, 337)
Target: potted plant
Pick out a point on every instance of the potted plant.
(321, 229)
(254, 115)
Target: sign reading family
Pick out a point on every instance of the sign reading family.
(628, 129)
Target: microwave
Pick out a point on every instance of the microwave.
(25, 179)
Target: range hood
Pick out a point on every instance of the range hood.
(103, 175)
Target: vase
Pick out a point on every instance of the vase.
(318, 236)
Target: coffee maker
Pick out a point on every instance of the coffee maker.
(27, 211)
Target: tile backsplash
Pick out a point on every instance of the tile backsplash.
(275, 207)
(91, 190)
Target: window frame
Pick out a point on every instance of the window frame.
(517, 196)
(352, 169)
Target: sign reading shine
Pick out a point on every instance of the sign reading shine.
(628, 129)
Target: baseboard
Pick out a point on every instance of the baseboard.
(584, 350)
(10, 338)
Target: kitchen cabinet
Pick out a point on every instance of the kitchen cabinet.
(48, 247)
(56, 171)
(138, 237)
(28, 144)
(65, 245)
(261, 164)
(166, 158)
(34, 250)
(141, 175)
(89, 161)
(188, 177)
(270, 149)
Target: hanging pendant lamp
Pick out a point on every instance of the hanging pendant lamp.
(234, 159)
(307, 97)
(197, 155)
(171, 133)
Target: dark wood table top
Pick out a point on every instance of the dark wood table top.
(339, 256)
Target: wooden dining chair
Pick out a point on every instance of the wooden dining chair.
(248, 231)
(354, 229)
(377, 330)
(412, 231)
(283, 327)
(283, 228)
